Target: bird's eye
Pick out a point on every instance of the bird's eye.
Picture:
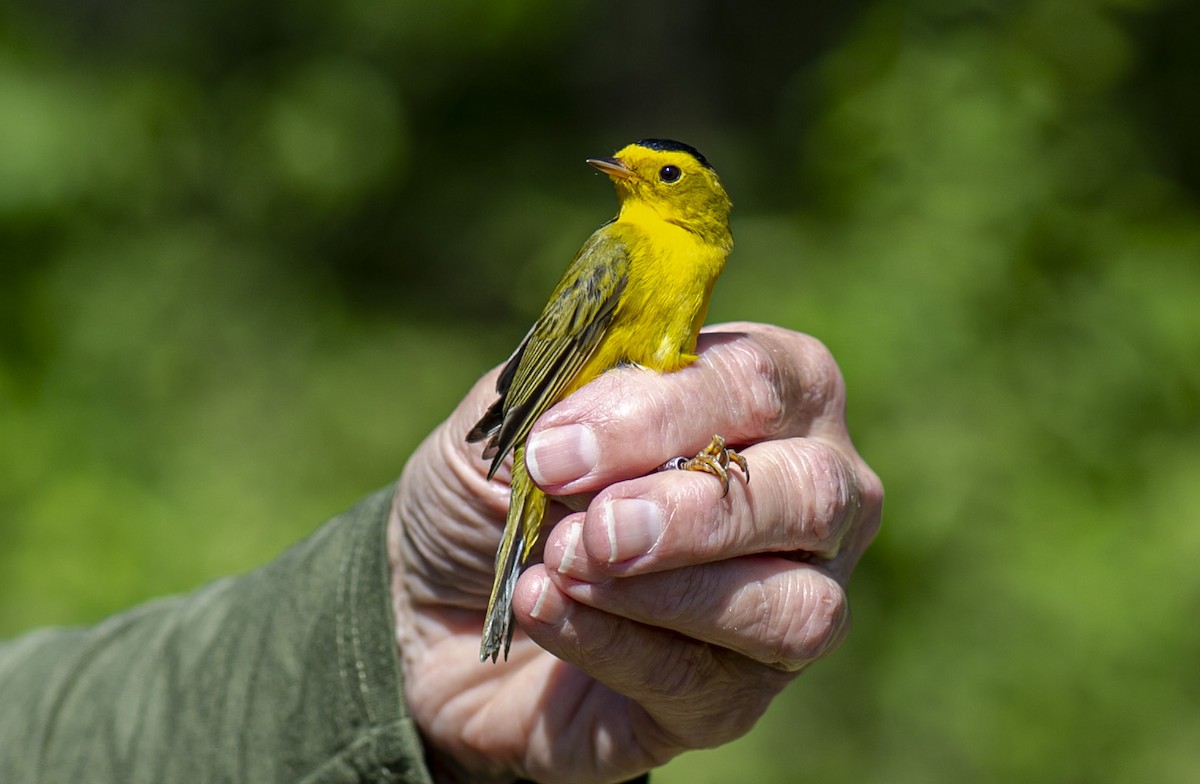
(669, 173)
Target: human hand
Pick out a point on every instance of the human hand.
(664, 618)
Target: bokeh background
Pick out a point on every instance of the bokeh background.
(251, 252)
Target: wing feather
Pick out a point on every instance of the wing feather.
(558, 346)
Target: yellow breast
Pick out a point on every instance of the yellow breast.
(671, 278)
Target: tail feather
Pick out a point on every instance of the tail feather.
(521, 530)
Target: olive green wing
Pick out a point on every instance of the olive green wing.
(560, 343)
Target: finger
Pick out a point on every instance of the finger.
(773, 610)
(804, 497)
(750, 383)
(693, 695)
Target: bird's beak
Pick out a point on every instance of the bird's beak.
(613, 167)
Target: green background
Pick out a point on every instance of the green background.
(250, 253)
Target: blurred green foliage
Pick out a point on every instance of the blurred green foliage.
(251, 253)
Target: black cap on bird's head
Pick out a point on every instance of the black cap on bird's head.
(670, 145)
(619, 169)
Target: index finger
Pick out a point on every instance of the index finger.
(752, 382)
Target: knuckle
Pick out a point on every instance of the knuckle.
(824, 389)
(804, 380)
(870, 488)
(804, 621)
(819, 360)
(825, 613)
(870, 502)
(756, 385)
(823, 495)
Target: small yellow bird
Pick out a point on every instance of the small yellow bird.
(636, 294)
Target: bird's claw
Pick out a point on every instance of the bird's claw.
(713, 459)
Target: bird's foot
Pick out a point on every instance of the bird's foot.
(713, 459)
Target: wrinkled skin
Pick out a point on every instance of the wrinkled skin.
(636, 642)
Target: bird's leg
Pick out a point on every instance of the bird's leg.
(713, 459)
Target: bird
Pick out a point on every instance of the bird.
(636, 294)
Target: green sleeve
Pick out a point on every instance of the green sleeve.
(287, 674)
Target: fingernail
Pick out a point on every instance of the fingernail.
(570, 556)
(633, 526)
(561, 454)
(549, 607)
